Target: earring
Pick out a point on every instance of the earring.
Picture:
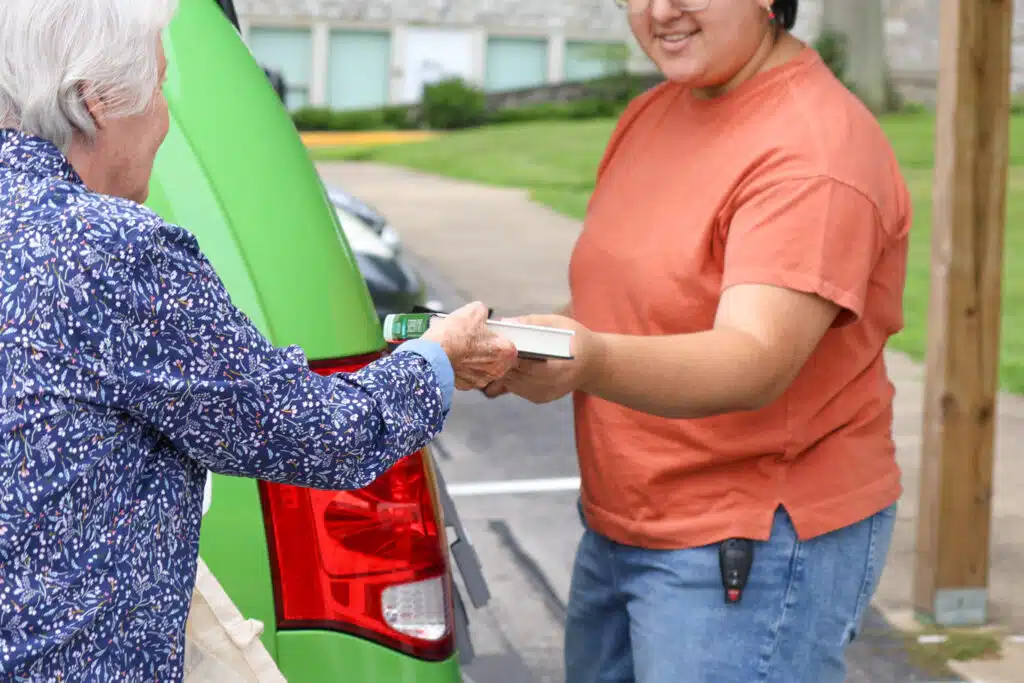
(771, 13)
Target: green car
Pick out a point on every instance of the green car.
(351, 586)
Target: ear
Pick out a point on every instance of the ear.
(766, 5)
(95, 104)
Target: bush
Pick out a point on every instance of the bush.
(831, 45)
(399, 118)
(355, 120)
(833, 48)
(1017, 104)
(894, 100)
(617, 88)
(325, 119)
(557, 111)
(452, 104)
(594, 109)
(912, 108)
(547, 111)
(312, 118)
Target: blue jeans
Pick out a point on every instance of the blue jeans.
(659, 616)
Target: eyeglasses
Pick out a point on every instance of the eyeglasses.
(640, 6)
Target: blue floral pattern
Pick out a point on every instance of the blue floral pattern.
(126, 372)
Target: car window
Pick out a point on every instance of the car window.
(228, 7)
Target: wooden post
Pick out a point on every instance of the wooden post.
(961, 386)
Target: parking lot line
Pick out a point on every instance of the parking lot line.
(514, 486)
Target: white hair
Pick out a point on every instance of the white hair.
(56, 53)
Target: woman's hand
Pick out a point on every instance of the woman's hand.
(478, 355)
(543, 381)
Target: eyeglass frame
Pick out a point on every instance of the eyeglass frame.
(624, 5)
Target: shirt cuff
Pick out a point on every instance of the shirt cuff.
(438, 360)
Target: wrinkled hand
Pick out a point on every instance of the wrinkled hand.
(478, 355)
(543, 381)
(495, 389)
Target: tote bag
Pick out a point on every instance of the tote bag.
(222, 646)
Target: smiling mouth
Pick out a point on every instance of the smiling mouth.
(678, 37)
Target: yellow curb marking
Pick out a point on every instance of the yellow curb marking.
(370, 137)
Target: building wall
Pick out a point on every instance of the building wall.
(912, 37)
(584, 17)
(500, 43)
(361, 53)
(515, 62)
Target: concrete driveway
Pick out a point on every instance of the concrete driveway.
(491, 243)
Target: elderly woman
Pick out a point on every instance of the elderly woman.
(126, 373)
(732, 407)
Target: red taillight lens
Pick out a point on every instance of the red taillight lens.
(372, 562)
(351, 364)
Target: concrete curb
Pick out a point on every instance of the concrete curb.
(997, 670)
(1001, 670)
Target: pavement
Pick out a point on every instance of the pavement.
(498, 246)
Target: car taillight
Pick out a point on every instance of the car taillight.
(372, 563)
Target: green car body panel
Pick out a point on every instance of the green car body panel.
(343, 658)
(235, 173)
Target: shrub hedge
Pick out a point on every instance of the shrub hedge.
(454, 104)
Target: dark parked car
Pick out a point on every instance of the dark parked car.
(394, 284)
(278, 82)
(369, 214)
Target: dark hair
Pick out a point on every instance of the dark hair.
(785, 13)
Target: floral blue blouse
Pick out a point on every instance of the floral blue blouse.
(126, 372)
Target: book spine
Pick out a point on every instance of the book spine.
(400, 327)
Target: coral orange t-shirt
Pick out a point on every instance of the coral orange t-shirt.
(786, 180)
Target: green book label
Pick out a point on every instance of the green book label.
(414, 327)
(405, 326)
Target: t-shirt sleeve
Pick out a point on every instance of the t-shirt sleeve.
(816, 235)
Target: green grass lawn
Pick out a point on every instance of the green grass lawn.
(555, 161)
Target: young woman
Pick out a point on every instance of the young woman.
(729, 380)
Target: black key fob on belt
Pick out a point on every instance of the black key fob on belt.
(735, 558)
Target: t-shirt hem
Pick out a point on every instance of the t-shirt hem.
(820, 518)
(754, 523)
